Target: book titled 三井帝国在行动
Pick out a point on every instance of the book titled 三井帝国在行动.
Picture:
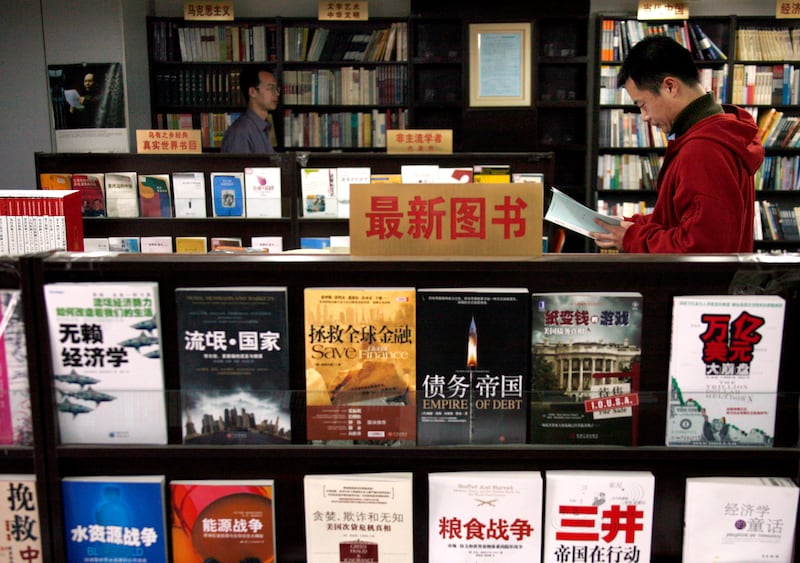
(723, 370)
(472, 365)
(586, 352)
(233, 363)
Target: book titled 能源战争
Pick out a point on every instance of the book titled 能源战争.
(233, 364)
(586, 352)
(473, 363)
(108, 375)
(723, 371)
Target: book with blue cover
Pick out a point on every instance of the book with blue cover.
(227, 191)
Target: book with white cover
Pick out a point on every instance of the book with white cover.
(155, 244)
(359, 517)
(568, 213)
(96, 244)
(485, 515)
(455, 175)
(122, 194)
(723, 370)
(739, 519)
(344, 177)
(318, 190)
(273, 244)
(595, 511)
(262, 191)
(189, 194)
(419, 173)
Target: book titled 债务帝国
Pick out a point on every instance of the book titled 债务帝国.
(586, 352)
(233, 364)
(108, 375)
(262, 191)
(227, 194)
(115, 518)
(594, 511)
(359, 517)
(16, 423)
(222, 520)
(472, 365)
(20, 528)
(723, 370)
(485, 515)
(734, 519)
(360, 364)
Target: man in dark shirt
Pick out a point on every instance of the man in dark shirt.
(251, 132)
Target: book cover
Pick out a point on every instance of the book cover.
(106, 352)
(532, 177)
(16, 423)
(491, 173)
(360, 356)
(723, 370)
(20, 522)
(385, 179)
(485, 515)
(733, 519)
(419, 173)
(273, 244)
(262, 192)
(586, 352)
(315, 242)
(155, 198)
(195, 245)
(222, 520)
(96, 244)
(155, 244)
(55, 181)
(335, 506)
(318, 192)
(233, 365)
(115, 518)
(568, 213)
(227, 194)
(455, 175)
(93, 199)
(122, 194)
(608, 512)
(221, 242)
(124, 244)
(344, 177)
(473, 363)
(189, 194)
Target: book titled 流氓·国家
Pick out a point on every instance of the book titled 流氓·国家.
(360, 346)
(586, 353)
(473, 355)
(115, 518)
(723, 371)
(108, 375)
(477, 515)
(222, 520)
(233, 364)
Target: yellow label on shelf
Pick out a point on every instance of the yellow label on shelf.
(649, 10)
(419, 141)
(209, 10)
(347, 11)
(163, 141)
(787, 9)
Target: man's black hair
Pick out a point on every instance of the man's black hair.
(654, 58)
(248, 78)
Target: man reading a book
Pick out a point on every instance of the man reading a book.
(706, 189)
(251, 132)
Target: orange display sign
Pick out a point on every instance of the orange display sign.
(347, 11)
(162, 141)
(210, 10)
(787, 9)
(649, 10)
(446, 219)
(419, 141)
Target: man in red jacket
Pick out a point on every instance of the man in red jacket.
(705, 186)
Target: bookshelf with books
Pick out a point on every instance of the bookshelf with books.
(287, 464)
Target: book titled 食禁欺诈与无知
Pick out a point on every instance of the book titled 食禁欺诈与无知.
(108, 374)
(596, 511)
(723, 370)
(586, 352)
(20, 518)
(115, 518)
(472, 365)
(233, 364)
(222, 520)
(466, 509)
(568, 213)
(730, 519)
(360, 347)
(332, 502)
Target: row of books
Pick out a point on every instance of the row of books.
(409, 366)
(528, 516)
(778, 129)
(714, 80)
(254, 192)
(618, 36)
(35, 221)
(198, 87)
(341, 129)
(182, 244)
(233, 42)
(383, 85)
(765, 84)
(628, 171)
(776, 221)
(621, 128)
(778, 173)
(303, 43)
(768, 43)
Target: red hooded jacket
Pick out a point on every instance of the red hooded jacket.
(706, 194)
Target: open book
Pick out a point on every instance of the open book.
(575, 216)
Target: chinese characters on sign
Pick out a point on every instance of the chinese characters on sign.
(787, 9)
(348, 11)
(158, 141)
(20, 521)
(419, 141)
(663, 10)
(208, 10)
(728, 346)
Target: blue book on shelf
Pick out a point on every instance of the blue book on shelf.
(228, 194)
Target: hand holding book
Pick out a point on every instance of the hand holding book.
(575, 216)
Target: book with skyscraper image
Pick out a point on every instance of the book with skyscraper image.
(233, 364)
